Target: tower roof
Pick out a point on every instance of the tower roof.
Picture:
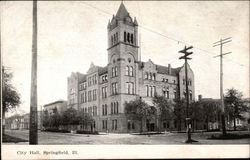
(122, 12)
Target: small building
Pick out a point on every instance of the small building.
(58, 106)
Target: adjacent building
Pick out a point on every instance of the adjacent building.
(58, 106)
(102, 91)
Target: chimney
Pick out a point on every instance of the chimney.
(169, 68)
(199, 97)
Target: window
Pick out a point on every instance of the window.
(184, 82)
(132, 38)
(166, 80)
(95, 79)
(114, 124)
(104, 92)
(167, 94)
(175, 94)
(150, 76)
(190, 83)
(127, 71)
(116, 37)
(104, 109)
(116, 71)
(113, 71)
(147, 90)
(151, 91)
(146, 75)
(89, 96)
(117, 107)
(94, 95)
(114, 89)
(112, 41)
(154, 90)
(130, 87)
(130, 71)
(153, 77)
(95, 111)
(104, 124)
(174, 81)
(128, 37)
(124, 38)
(163, 79)
(112, 108)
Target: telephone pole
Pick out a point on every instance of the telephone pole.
(185, 57)
(220, 43)
(33, 137)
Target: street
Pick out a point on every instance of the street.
(111, 138)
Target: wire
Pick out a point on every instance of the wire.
(163, 35)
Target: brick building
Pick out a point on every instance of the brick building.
(102, 91)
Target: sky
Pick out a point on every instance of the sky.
(72, 34)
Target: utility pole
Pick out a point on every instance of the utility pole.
(33, 137)
(185, 57)
(220, 43)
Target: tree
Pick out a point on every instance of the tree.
(139, 110)
(45, 119)
(69, 117)
(179, 111)
(11, 98)
(85, 119)
(164, 109)
(55, 119)
(234, 105)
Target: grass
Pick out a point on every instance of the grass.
(10, 139)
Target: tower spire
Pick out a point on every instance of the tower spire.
(122, 12)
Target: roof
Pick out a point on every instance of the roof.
(59, 101)
(103, 70)
(122, 12)
(163, 69)
(82, 77)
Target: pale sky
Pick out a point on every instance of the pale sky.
(71, 35)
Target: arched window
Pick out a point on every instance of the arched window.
(128, 38)
(127, 71)
(131, 71)
(112, 40)
(132, 38)
(124, 37)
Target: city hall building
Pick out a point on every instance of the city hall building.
(102, 91)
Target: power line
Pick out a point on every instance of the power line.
(163, 35)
